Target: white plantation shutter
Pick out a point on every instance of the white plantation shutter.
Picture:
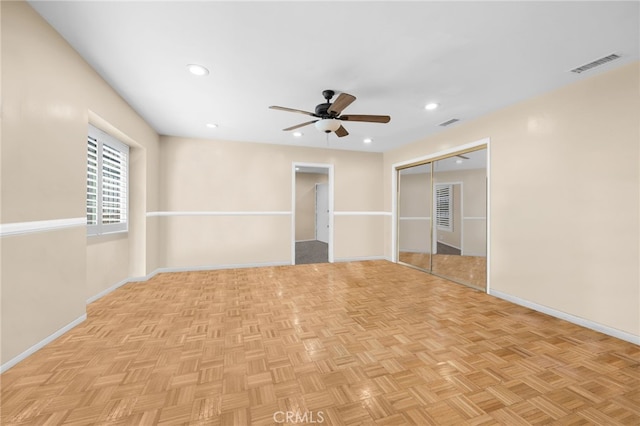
(444, 207)
(107, 183)
(92, 181)
(114, 185)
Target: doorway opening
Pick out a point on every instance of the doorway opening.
(312, 213)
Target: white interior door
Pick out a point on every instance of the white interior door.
(322, 212)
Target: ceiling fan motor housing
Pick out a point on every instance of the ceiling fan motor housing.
(321, 110)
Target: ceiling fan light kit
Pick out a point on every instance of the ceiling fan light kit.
(328, 125)
(328, 114)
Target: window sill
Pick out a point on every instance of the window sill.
(107, 236)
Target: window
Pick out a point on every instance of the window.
(107, 184)
(444, 207)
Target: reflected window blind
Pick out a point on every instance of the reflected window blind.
(107, 183)
(444, 207)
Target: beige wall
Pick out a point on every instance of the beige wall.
(209, 176)
(306, 204)
(225, 241)
(49, 96)
(107, 262)
(574, 149)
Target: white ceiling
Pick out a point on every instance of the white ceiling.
(470, 57)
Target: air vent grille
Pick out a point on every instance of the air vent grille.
(449, 122)
(596, 63)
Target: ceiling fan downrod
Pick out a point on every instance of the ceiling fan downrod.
(321, 110)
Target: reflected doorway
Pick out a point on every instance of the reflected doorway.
(312, 224)
(442, 217)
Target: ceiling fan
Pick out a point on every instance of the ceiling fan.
(328, 114)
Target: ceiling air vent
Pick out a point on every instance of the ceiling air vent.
(448, 122)
(596, 63)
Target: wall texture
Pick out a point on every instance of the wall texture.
(564, 195)
(203, 179)
(49, 96)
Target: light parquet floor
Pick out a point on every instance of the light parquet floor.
(350, 343)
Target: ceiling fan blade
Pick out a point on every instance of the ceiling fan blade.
(299, 111)
(367, 118)
(341, 132)
(299, 125)
(343, 101)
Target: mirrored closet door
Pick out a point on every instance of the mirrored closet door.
(442, 223)
(414, 216)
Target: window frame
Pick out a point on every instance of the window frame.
(102, 139)
(444, 223)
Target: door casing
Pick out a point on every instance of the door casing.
(322, 212)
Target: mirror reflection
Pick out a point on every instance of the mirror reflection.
(460, 205)
(414, 216)
(453, 192)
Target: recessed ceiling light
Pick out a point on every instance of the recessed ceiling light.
(367, 140)
(297, 169)
(458, 161)
(212, 125)
(297, 134)
(196, 69)
(431, 106)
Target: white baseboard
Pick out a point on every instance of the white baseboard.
(415, 251)
(7, 365)
(359, 259)
(450, 245)
(180, 269)
(217, 267)
(107, 291)
(614, 332)
(144, 277)
(120, 284)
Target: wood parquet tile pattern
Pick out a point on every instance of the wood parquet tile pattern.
(371, 343)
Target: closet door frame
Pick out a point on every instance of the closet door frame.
(430, 158)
